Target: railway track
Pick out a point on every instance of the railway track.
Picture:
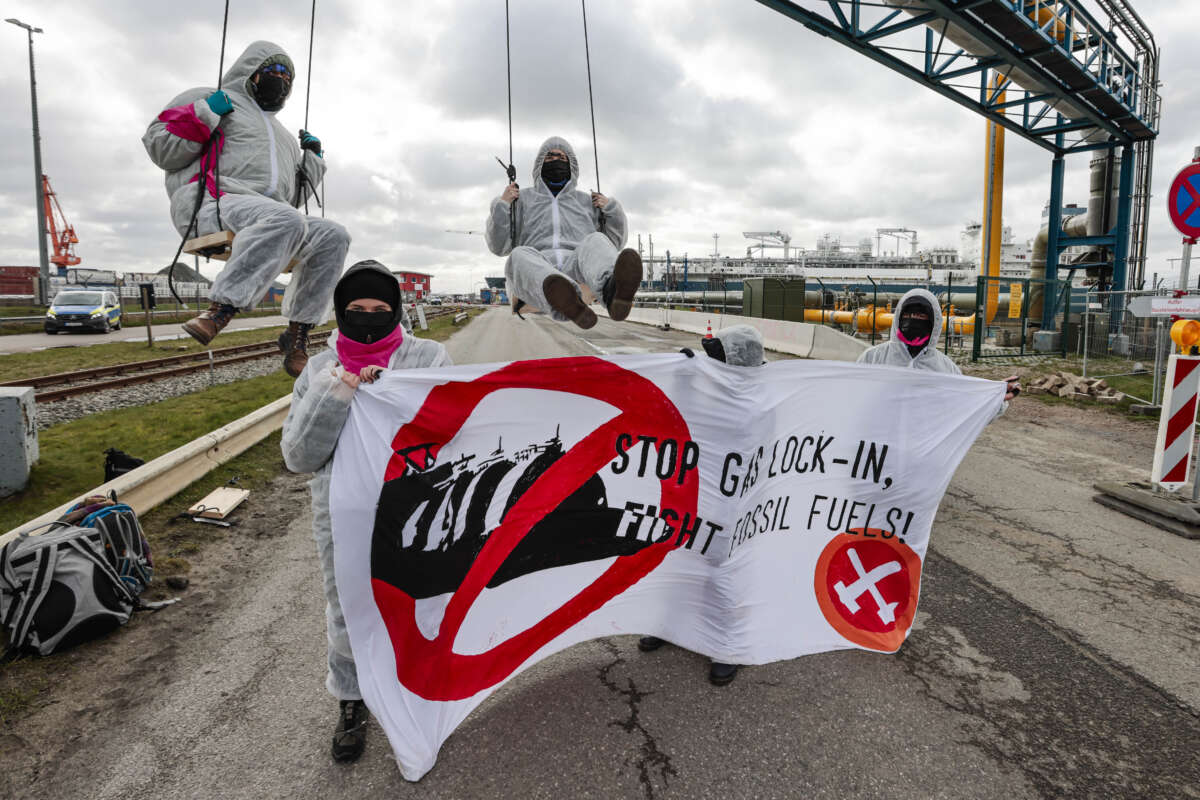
(49, 388)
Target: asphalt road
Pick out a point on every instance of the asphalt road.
(28, 342)
(1054, 655)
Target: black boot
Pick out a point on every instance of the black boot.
(350, 736)
(649, 644)
(293, 343)
(619, 290)
(721, 674)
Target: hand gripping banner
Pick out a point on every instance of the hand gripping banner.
(485, 517)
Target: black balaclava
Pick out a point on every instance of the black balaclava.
(915, 333)
(556, 174)
(272, 91)
(367, 326)
(714, 347)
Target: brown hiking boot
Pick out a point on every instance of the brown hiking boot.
(622, 285)
(293, 343)
(207, 324)
(564, 298)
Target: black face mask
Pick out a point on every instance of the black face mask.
(916, 330)
(366, 327)
(556, 174)
(271, 91)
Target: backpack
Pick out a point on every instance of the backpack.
(77, 581)
(58, 589)
(118, 462)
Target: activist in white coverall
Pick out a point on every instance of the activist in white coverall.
(559, 243)
(739, 346)
(916, 328)
(320, 403)
(259, 169)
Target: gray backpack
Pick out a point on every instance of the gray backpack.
(58, 589)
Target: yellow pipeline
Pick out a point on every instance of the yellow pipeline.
(993, 208)
(869, 318)
(993, 180)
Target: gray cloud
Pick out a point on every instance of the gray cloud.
(711, 117)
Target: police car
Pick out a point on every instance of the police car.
(83, 310)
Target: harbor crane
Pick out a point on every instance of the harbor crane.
(765, 239)
(899, 234)
(61, 241)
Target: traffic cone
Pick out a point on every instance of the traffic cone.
(709, 334)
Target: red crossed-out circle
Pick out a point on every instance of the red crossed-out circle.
(430, 667)
(864, 626)
(1183, 201)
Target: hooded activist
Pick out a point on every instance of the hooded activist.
(916, 328)
(563, 238)
(233, 137)
(370, 338)
(738, 346)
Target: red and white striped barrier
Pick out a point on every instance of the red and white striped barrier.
(1177, 423)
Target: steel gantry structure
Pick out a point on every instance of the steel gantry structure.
(1047, 70)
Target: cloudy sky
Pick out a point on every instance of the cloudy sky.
(713, 116)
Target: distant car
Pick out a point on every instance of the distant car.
(435, 301)
(83, 310)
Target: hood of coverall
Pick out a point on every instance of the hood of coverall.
(741, 345)
(556, 142)
(927, 296)
(340, 301)
(253, 58)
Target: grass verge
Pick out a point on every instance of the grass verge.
(72, 454)
(1136, 388)
(18, 366)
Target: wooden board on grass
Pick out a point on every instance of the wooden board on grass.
(219, 503)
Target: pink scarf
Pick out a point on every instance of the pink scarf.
(356, 355)
(917, 342)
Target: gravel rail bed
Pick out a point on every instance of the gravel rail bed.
(60, 411)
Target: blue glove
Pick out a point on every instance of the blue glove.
(310, 142)
(219, 102)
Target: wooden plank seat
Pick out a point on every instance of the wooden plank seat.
(218, 246)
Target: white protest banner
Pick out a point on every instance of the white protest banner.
(485, 517)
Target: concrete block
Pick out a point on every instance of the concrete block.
(18, 437)
(1047, 341)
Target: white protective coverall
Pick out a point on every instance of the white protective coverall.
(555, 233)
(894, 353)
(320, 404)
(257, 170)
(743, 345)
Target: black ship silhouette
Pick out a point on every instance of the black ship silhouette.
(447, 505)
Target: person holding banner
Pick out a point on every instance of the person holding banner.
(739, 346)
(370, 338)
(916, 326)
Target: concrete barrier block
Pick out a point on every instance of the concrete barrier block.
(18, 437)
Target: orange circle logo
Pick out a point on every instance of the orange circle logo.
(867, 587)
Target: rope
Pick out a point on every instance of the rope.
(312, 28)
(510, 169)
(302, 176)
(592, 105)
(200, 178)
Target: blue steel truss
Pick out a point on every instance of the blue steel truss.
(1044, 69)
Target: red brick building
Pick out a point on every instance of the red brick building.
(414, 285)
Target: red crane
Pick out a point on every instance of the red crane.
(63, 242)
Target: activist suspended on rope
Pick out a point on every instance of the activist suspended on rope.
(219, 245)
(509, 168)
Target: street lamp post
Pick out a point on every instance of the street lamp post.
(43, 286)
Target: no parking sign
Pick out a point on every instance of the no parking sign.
(1183, 201)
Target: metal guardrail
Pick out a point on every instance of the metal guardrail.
(162, 478)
